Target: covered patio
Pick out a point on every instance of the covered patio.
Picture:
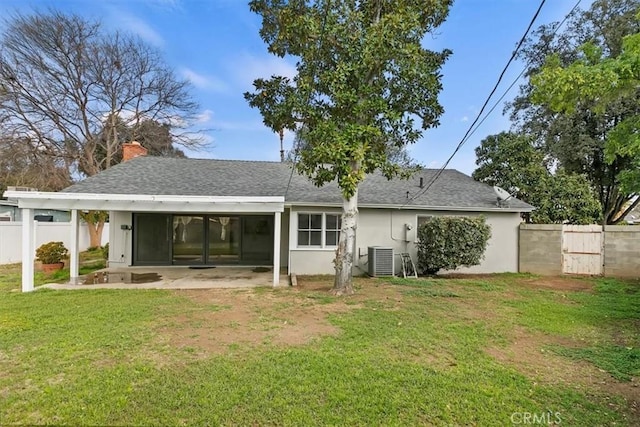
(175, 277)
(124, 206)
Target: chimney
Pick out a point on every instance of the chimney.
(131, 150)
(421, 182)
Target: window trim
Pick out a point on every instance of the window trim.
(418, 216)
(323, 241)
(310, 230)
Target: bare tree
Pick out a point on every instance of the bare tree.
(21, 166)
(67, 86)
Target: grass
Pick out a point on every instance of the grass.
(408, 352)
(10, 273)
(623, 363)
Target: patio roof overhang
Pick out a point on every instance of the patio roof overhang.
(146, 203)
(31, 200)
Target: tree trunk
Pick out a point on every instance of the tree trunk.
(95, 233)
(343, 282)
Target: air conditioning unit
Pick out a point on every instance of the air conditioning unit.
(380, 261)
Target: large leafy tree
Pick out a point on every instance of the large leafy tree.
(601, 83)
(67, 85)
(511, 161)
(364, 81)
(396, 154)
(576, 138)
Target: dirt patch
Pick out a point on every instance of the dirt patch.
(527, 354)
(557, 283)
(224, 319)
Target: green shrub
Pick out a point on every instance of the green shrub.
(105, 252)
(446, 243)
(52, 253)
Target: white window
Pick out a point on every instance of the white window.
(320, 230)
(422, 219)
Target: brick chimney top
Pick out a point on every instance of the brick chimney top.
(132, 149)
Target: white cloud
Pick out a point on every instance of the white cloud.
(208, 117)
(204, 82)
(434, 165)
(464, 119)
(204, 117)
(248, 125)
(141, 28)
(248, 67)
(169, 5)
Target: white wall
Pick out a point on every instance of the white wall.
(386, 227)
(11, 237)
(120, 236)
(309, 260)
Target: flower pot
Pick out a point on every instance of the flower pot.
(50, 268)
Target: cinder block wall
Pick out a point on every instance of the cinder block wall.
(540, 248)
(621, 251)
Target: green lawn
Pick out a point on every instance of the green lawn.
(478, 351)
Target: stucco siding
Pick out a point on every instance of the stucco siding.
(120, 238)
(309, 260)
(387, 227)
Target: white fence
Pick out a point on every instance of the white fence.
(11, 237)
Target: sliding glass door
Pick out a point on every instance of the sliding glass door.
(224, 240)
(188, 239)
(184, 239)
(152, 239)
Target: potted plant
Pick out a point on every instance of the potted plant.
(51, 255)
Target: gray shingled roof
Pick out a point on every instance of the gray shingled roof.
(205, 177)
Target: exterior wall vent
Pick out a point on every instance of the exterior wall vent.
(380, 261)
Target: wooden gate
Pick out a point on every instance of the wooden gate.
(582, 249)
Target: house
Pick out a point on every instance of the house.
(9, 211)
(633, 217)
(168, 211)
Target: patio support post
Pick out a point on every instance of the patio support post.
(28, 249)
(277, 225)
(74, 257)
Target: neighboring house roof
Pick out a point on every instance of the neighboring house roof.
(633, 217)
(205, 177)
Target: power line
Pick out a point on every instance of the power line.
(495, 87)
(313, 72)
(513, 83)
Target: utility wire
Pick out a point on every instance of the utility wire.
(309, 92)
(513, 83)
(495, 87)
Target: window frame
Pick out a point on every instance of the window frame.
(323, 230)
(308, 229)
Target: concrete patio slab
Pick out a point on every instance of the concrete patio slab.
(176, 277)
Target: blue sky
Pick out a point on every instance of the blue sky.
(215, 44)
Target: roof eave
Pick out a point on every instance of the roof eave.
(144, 202)
(419, 207)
